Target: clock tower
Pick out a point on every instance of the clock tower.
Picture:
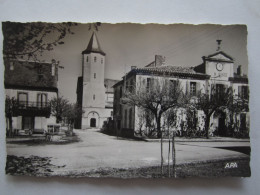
(220, 66)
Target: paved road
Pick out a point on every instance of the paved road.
(97, 150)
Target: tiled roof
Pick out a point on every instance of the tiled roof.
(25, 74)
(172, 70)
(109, 85)
(239, 79)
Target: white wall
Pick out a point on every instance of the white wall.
(39, 122)
(32, 95)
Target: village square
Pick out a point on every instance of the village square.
(152, 119)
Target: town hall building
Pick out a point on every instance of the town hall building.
(94, 93)
(217, 71)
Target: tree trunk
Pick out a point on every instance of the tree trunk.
(207, 123)
(169, 151)
(173, 157)
(159, 135)
(158, 123)
(161, 155)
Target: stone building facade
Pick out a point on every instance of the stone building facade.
(216, 71)
(94, 92)
(32, 85)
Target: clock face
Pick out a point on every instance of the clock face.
(219, 66)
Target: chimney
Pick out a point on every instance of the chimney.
(219, 45)
(133, 67)
(239, 70)
(159, 60)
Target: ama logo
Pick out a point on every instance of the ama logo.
(231, 165)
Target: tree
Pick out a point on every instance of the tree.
(170, 117)
(29, 40)
(64, 111)
(72, 112)
(11, 104)
(59, 106)
(159, 97)
(218, 99)
(240, 104)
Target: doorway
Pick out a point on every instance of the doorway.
(27, 122)
(222, 129)
(93, 122)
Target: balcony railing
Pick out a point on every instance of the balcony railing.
(33, 108)
(27, 104)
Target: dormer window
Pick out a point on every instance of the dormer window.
(40, 72)
(95, 59)
(53, 70)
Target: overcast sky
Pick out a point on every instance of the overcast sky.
(129, 45)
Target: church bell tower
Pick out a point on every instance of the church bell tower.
(93, 70)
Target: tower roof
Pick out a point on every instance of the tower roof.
(93, 46)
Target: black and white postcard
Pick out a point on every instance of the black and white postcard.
(126, 100)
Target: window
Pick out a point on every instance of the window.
(41, 100)
(101, 60)
(192, 88)
(173, 84)
(131, 87)
(87, 59)
(219, 90)
(23, 98)
(111, 114)
(95, 59)
(94, 97)
(121, 92)
(127, 85)
(94, 75)
(243, 92)
(148, 84)
(40, 72)
(40, 69)
(53, 69)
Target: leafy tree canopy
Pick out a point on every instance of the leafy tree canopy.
(29, 40)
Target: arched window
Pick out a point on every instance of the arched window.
(41, 100)
(95, 59)
(23, 98)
